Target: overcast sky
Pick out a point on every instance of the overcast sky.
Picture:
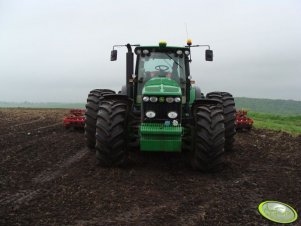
(58, 50)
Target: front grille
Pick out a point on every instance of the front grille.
(161, 110)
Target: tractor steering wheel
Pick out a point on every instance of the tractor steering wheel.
(162, 68)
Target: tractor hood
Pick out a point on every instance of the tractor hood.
(161, 86)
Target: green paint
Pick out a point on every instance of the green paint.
(161, 86)
(278, 212)
(192, 95)
(158, 137)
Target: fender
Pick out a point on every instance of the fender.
(124, 98)
(205, 101)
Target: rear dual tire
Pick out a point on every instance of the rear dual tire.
(92, 106)
(229, 112)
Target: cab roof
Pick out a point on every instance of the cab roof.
(161, 49)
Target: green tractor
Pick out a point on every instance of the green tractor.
(160, 110)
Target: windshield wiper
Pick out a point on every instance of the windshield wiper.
(173, 60)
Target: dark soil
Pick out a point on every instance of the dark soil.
(48, 177)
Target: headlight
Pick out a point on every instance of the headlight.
(187, 52)
(179, 52)
(145, 99)
(145, 51)
(172, 114)
(175, 123)
(150, 114)
(177, 99)
(138, 51)
(169, 99)
(153, 99)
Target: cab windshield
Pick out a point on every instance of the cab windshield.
(161, 64)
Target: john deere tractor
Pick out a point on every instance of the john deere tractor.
(160, 110)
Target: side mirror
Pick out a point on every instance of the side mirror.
(113, 55)
(209, 55)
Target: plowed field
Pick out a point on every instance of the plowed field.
(48, 177)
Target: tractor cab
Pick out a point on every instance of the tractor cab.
(158, 62)
(161, 67)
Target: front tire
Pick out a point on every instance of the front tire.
(111, 132)
(208, 138)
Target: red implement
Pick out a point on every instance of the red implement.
(76, 118)
(242, 121)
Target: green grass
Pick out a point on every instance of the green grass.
(290, 124)
(277, 107)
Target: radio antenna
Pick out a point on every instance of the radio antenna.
(186, 30)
